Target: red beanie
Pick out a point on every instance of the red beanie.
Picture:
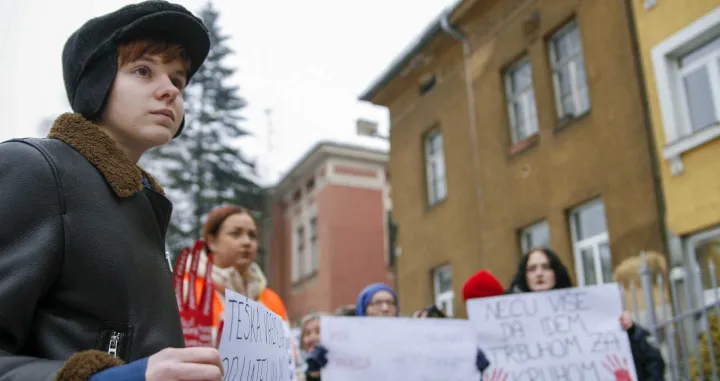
(482, 285)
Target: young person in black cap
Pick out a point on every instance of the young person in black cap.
(85, 283)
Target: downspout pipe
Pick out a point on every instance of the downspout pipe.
(455, 33)
(652, 145)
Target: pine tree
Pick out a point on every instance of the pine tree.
(203, 167)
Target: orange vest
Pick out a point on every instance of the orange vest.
(268, 298)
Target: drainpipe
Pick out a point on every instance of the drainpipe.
(472, 118)
(668, 246)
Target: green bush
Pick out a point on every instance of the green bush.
(705, 360)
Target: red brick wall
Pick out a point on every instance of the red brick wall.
(278, 268)
(353, 240)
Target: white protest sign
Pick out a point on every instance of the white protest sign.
(571, 335)
(253, 345)
(291, 348)
(391, 349)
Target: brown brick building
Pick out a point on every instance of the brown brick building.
(328, 238)
(518, 123)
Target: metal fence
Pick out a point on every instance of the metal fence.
(678, 324)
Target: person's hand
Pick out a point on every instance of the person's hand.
(481, 361)
(626, 321)
(317, 359)
(422, 314)
(187, 364)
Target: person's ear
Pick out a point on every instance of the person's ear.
(211, 243)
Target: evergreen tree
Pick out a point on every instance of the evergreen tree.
(203, 167)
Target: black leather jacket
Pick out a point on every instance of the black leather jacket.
(82, 255)
(649, 363)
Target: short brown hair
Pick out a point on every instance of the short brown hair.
(217, 216)
(134, 50)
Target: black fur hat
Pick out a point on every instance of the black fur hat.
(90, 55)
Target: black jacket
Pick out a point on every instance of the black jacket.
(82, 257)
(649, 363)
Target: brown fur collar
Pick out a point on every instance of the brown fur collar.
(83, 365)
(124, 176)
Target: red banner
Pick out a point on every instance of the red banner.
(196, 317)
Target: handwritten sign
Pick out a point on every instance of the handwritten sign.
(571, 335)
(291, 348)
(254, 343)
(380, 349)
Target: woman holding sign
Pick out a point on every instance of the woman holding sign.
(542, 270)
(231, 238)
(377, 299)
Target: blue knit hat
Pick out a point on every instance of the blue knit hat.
(367, 294)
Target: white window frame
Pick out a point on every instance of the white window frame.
(299, 246)
(314, 249)
(691, 243)
(295, 258)
(525, 97)
(446, 297)
(437, 158)
(593, 243)
(671, 97)
(713, 67)
(525, 246)
(571, 62)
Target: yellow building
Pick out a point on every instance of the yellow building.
(516, 124)
(679, 46)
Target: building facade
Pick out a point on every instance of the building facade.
(679, 45)
(329, 236)
(517, 124)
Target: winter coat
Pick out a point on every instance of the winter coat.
(649, 363)
(83, 267)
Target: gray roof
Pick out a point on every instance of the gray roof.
(415, 47)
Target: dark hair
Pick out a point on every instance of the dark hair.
(562, 276)
(217, 216)
(130, 51)
(434, 312)
(346, 310)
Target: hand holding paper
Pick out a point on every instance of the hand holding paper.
(390, 349)
(317, 358)
(187, 364)
(481, 361)
(560, 334)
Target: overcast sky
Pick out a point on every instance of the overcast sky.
(306, 60)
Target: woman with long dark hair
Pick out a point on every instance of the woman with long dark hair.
(542, 270)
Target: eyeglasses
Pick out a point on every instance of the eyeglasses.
(388, 302)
